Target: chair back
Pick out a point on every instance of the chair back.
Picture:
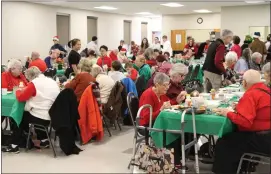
(50, 72)
(189, 74)
(133, 106)
(62, 78)
(71, 75)
(195, 73)
(140, 85)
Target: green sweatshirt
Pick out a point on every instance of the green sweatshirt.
(145, 70)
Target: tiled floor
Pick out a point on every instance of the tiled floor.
(112, 155)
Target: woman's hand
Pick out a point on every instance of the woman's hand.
(166, 105)
(223, 111)
(181, 97)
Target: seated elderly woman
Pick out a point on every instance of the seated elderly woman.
(252, 117)
(157, 98)
(255, 62)
(39, 96)
(115, 73)
(106, 83)
(267, 75)
(230, 60)
(13, 76)
(150, 57)
(82, 79)
(50, 60)
(242, 64)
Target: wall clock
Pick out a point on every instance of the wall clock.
(199, 20)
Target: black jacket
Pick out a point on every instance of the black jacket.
(209, 63)
(64, 115)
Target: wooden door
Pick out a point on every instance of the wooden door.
(178, 38)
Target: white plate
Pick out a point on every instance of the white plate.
(9, 92)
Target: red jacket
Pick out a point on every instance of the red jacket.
(9, 81)
(90, 122)
(39, 63)
(253, 110)
(194, 48)
(149, 97)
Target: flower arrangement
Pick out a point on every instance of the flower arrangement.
(59, 63)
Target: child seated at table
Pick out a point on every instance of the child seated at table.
(132, 73)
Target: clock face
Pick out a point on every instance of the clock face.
(199, 20)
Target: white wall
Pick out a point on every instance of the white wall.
(30, 27)
(240, 18)
(183, 22)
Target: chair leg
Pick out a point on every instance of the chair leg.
(105, 124)
(28, 137)
(50, 141)
(118, 124)
(240, 165)
(79, 135)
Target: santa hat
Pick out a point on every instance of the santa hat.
(123, 49)
(56, 38)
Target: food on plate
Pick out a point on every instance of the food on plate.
(177, 107)
(202, 108)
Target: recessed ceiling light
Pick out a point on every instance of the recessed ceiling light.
(144, 13)
(202, 11)
(254, 2)
(172, 5)
(106, 8)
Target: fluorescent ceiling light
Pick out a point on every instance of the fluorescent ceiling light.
(254, 2)
(106, 8)
(172, 5)
(144, 13)
(203, 11)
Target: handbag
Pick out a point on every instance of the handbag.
(154, 160)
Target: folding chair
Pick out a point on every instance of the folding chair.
(62, 78)
(256, 158)
(50, 72)
(41, 128)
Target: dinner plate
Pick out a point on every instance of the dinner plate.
(9, 92)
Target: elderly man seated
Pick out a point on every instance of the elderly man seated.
(51, 59)
(37, 61)
(13, 76)
(106, 83)
(255, 62)
(39, 96)
(144, 69)
(267, 75)
(252, 117)
(115, 73)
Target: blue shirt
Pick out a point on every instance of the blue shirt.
(241, 66)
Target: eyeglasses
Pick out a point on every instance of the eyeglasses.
(166, 85)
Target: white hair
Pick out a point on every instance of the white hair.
(231, 56)
(266, 68)
(252, 77)
(32, 73)
(14, 63)
(160, 78)
(96, 70)
(256, 55)
(178, 68)
(225, 33)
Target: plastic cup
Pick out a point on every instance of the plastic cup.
(4, 91)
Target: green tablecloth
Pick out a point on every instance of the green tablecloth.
(60, 72)
(205, 124)
(12, 108)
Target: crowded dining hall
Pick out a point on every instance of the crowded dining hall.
(179, 87)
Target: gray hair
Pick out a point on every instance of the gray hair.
(225, 33)
(14, 63)
(96, 70)
(178, 68)
(85, 65)
(161, 78)
(266, 68)
(231, 56)
(148, 53)
(247, 54)
(252, 77)
(32, 73)
(256, 55)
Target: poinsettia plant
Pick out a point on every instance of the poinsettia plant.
(60, 63)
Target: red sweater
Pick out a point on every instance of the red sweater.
(149, 97)
(27, 93)
(40, 64)
(151, 62)
(113, 56)
(253, 110)
(237, 49)
(9, 81)
(106, 61)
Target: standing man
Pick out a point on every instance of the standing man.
(213, 66)
(166, 45)
(92, 45)
(257, 45)
(59, 47)
(156, 44)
